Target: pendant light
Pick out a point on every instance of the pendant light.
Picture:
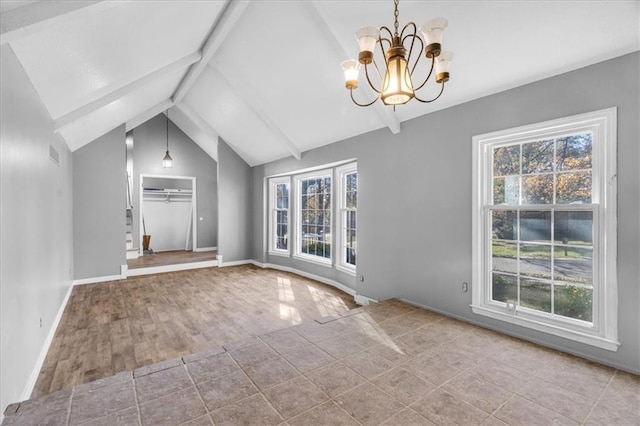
(167, 161)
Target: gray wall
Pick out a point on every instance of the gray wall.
(99, 200)
(36, 256)
(149, 146)
(414, 197)
(235, 196)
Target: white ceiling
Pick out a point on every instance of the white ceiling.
(265, 74)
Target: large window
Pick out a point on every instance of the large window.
(314, 213)
(348, 204)
(544, 227)
(279, 216)
(314, 216)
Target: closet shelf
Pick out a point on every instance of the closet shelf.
(166, 194)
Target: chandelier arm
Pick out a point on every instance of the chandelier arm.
(366, 72)
(415, 64)
(388, 40)
(383, 28)
(414, 35)
(431, 100)
(433, 62)
(363, 105)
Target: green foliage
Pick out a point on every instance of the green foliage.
(570, 301)
(574, 302)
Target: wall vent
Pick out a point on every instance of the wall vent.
(54, 155)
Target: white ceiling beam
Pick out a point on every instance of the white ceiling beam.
(340, 46)
(249, 95)
(196, 128)
(34, 17)
(148, 114)
(227, 19)
(112, 95)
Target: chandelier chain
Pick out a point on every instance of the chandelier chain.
(396, 13)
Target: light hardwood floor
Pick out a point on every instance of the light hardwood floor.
(121, 325)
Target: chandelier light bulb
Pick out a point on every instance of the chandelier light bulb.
(432, 31)
(350, 69)
(367, 38)
(442, 66)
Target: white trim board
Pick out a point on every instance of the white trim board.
(323, 280)
(94, 280)
(199, 249)
(28, 389)
(171, 268)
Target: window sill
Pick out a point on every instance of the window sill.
(346, 270)
(279, 253)
(313, 259)
(556, 330)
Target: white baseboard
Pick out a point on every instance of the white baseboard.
(199, 249)
(99, 279)
(324, 280)
(363, 300)
(26, 394)
(233, 263)
(171, 268)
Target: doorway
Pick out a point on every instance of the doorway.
(168, 212)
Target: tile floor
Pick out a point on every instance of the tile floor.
(388, 363)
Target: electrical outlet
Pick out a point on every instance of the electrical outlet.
(40, 322)
(465, 287)
(361, 278)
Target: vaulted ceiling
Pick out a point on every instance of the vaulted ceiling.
(265, 75)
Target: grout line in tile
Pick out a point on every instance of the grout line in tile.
(193, 383)
(597, 400)
(135, 396)
(68, 421)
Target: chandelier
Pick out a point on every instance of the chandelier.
(396, 85)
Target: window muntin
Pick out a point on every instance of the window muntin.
(538, 261)
(314, 217)
(544, 219)
(279, 205)
(348, 190)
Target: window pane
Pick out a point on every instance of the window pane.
(315, 235)
(574, 187)
(574, 301)
(350, 219)
(506, 190)
(351, 256)
(504, 287)
(573, 265)
(575, 228)
(537, 157)
(535, 294)
(535, 260)
(537, 189)
(506, 160)
(504, 257)
(504, 225)
(535, 226)
(574, 152)
(351, 188)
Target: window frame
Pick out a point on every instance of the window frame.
(297, 179)
(602, 332)
(273, 209)
(341, 188)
